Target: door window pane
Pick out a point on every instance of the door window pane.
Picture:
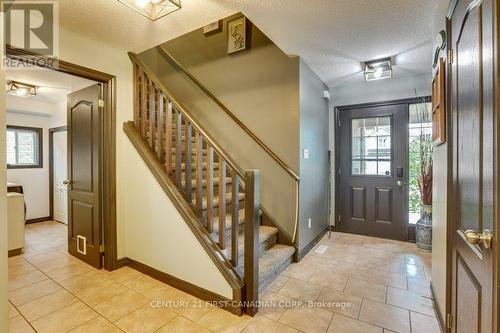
(371, 146)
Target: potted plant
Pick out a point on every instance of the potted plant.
(424, 224)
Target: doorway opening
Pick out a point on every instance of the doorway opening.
(74, 108)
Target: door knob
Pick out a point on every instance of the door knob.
(67, 182)
(399, 183)
(473, 237)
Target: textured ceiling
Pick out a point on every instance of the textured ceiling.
(332, 36)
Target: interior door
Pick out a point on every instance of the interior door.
(60, 158)
(373, 171)
(84, 190)
(473, 208)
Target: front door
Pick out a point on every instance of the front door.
(474, 166)
(373, 171)
(84, 211)
(60, 158)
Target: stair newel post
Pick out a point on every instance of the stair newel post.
(252, 206)
(210, 188)
(235, 217)
(178, 150)
(222, 202)
(199, 173)
(152, 116)
(161, 127)
(188, 135)
(168, 136)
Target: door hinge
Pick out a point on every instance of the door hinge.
(340, 172)
(100, 102)
(101, 248)
(338, 121)
(451, 56)
(338, 219)
(449, 320)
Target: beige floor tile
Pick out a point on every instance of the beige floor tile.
(191, 307)
(389, 279)
(219, 320)
(278, 283)
(181, 324)
(96, 325)
(164, 293)
(47, 304)
(366, 289)
(12, 311)
(309, 320)
(420, 286)
(26, 279)
(65, 319)
(19, 325)
(408, 269)
(329, 279)
(121, 305)
(300, 290)
(20, 267)
(142, 283)
(91, 279)
(410, 300)
(34, 291)
(300, 271)
(146, 319)
(386, 316)
(343, 324)
(123, 274)
(339, 302)
(53, 264)
(262, 324)
(94, 296)
(70, 271)
(44, 256)
(274, 305)
(373, 263)
(424, 324)
(352, 270)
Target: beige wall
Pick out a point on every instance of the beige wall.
(261, 87)
(314, 170)
(136, 226)
(439, 199)
(3, 214)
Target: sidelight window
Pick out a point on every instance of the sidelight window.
(371, 146)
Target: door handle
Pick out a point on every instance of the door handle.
(473, 237)
(67, 182)
(399, 183)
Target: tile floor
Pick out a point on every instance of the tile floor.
(358, 285)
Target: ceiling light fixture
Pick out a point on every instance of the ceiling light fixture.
(153, 9)
(20, 89)
(378, 69)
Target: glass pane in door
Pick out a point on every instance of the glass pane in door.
(371, 146)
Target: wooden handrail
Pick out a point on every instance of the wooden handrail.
(238, 122)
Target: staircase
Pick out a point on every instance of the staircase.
(219, 199)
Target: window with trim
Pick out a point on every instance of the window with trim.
(24, 147)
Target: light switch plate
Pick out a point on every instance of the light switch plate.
(306, 154)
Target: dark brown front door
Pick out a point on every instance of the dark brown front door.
(84, 211)
(474, 191)
(373, 143)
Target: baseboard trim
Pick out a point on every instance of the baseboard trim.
(39, 219)
(185, 286)
(308, 247)
(15, 252)
(437, 311)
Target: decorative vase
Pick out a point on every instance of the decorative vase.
(423, 230)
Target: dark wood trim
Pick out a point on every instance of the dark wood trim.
(201, 293)
(38, 219)
(39, 131)
(184, 209)
(108, 142)
(51, 166)
(15, 252)
(252, 222)
(302, 253)
(337, 111)
(437, 311)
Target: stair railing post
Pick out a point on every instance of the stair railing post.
(252, 205)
